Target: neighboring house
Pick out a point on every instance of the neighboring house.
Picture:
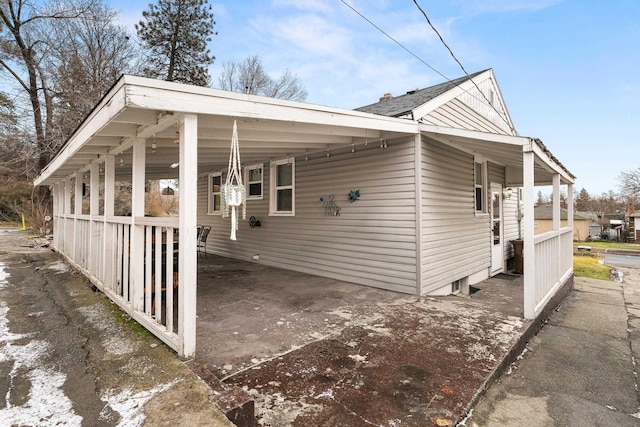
(543, 215)
(634, 227)
(434, 168)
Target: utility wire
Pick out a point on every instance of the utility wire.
(427, 64)
(462, 67)
(394, 40)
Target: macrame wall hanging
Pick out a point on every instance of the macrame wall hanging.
(233, 193)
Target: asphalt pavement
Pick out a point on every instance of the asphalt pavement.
(580, 370)
(68, 357)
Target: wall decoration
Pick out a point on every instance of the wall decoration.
(354, 195)
(329, 206)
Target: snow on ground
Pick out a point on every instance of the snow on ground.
(46, 405)
(129, 405)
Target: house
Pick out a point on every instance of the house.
(543, 215)
(434, 170)
(634, 227)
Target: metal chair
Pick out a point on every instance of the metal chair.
(202, 240)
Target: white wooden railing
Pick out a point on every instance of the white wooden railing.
(102, 249)
(553, 264)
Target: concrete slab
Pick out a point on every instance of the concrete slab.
(602, 318)
(314, 351)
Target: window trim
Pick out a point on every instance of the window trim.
(211, 194)
(273, 188)
(247, 169)
(483, 187)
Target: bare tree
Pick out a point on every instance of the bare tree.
(630, 183)
(250, 77)
(87, 56)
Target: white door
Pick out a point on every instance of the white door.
(497, 245)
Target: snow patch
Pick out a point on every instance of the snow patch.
(47, 404)
(113, 342)
(129, 405)
(3, 275)
(59, 267)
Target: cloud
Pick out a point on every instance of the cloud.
(502, 6)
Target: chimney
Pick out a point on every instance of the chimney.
(386, 97)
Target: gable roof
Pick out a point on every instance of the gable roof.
(546, 212)
(405, 104)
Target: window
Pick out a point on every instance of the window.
(253, 180)
(480, 176)
(215, 182)
(282, 189)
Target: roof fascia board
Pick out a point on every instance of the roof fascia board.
(152, 94)
(473, 134)
(108, 108)
(548, 161)
(449, 95)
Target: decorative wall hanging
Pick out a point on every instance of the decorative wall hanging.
(233, 194)
(329, 206)
(354, 195)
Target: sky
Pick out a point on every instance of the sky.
(567, 69)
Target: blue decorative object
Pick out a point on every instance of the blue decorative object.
(354, 195)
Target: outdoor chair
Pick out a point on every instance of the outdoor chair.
(202, 240)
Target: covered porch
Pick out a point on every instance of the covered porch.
(146, 129)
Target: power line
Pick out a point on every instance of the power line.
(428, 65)
(489, 103)
(392, 39)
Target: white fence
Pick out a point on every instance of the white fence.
(102, 248)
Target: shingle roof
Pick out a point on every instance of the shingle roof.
(546, 212)
(405, 104)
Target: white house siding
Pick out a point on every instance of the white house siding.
(457, 114)
(488, 104)
(373, 240)
(455, 241)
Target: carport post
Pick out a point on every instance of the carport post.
(529, 251)
(187, 262)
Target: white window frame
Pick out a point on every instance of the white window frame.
(273, 188)
(248, 183)
(483, 187)
(211, 194)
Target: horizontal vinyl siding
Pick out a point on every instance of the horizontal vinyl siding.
(373, 240)
(455, 242)
(456, 114)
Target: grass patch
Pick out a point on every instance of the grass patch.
(126, 321)
(586, 266)
(608, 245)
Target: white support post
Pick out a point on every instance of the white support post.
(109, 248)
(55, 191)
(68, 229)
(417, 153)
(77, 211)
(570, 205)
(187, 262)
(136, 262)
(556, 202)
(94, 207)
(529, 251)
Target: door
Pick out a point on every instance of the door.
(497, 230)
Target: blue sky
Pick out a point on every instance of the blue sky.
(568, 69)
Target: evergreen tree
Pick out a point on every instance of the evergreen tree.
(175, 33)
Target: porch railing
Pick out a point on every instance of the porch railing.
(553, 263)
(102, 248)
